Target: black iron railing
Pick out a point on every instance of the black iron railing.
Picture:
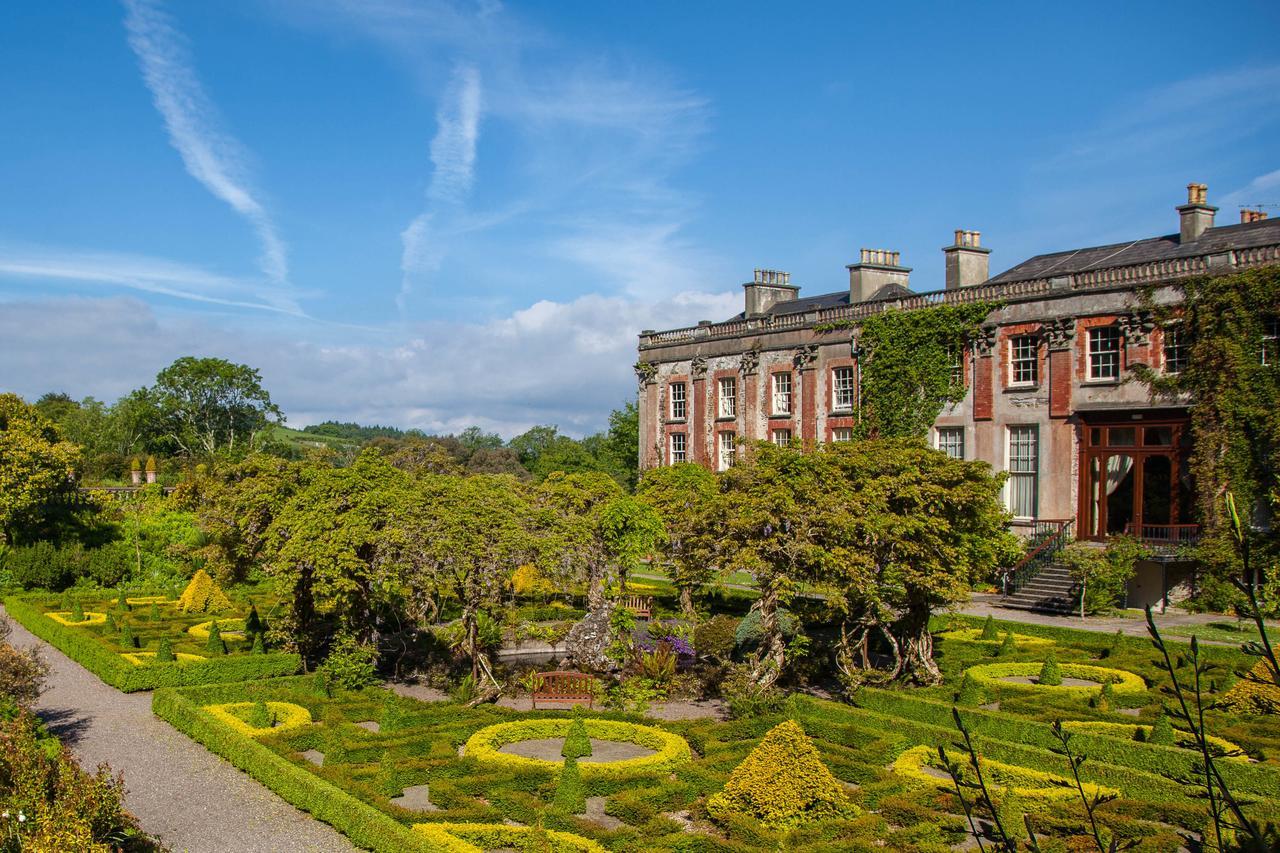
(1048, 538)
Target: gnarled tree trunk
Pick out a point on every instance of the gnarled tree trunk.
(772, 653)
(915, 645)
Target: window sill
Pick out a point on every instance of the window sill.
(672, 421)
(726, 419)
(780, 416)
(840, 413)
(1095, 383)
(1021, 389)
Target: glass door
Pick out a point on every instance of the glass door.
(1128, 478)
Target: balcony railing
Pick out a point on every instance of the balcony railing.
(1165, 538)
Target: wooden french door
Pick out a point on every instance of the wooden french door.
(1133, 475)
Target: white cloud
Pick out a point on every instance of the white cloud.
(145, 274)
(1264, 189)
(565, 363)
(212, 157)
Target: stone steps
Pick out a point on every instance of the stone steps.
(1051, 591)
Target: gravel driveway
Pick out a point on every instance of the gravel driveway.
(181, 792)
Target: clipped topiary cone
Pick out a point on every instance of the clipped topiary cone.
(260, 715)
(155, 612)
(571, 797)
(215, 645)
(164, 652)
(126, 637)
(252, 622)
(1007, 645)
(203, 595)
(989, 631)
(1161, 731)
(782, 782)
(259, 645)
(77, 611)
(970, 693)
(576, 742)
(1050, 674)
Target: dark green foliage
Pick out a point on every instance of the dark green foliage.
(1106, 698)
(576, 742)
(1050, 674)
(393, 713)
(77, 611)
(43, 565)
(715, 638)
(1117, 640)
(1007, 645)
(253, 623)
(122, 601)
(260, 715)
(164, 652)
(571, 797)
(989, 631)
(215, 645)
(350, 665)
(127, 639)
(1161, 731)
(154, 615)
(259, 645)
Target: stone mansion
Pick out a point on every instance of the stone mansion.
(1047, 398)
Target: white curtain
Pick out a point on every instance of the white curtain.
(1118, 467)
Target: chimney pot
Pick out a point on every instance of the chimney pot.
(767, 288)
(875, 269)
(1247, 215)
(1196, 215)
(968, 263)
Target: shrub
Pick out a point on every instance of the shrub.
(244, 717)
(571, 797)
(1007, 645)
(259, 716)
(670, 750)
(127, 639)
(259, 645)
(214, 645)
(1161, 731)
(109, 565)
(782, 783)
(164, 652)
(526, 580)
(44, 565)
(1124, 684)
(749, 634)
(746, 698)
(393, 713)
(1254, 694)
(350, 665)
(716, 637)
(77, 611)
(576, 743)
(1050, 674)
(253, 622)
(1026, 782)
(154, 615)
(989, 631)
(202, 595)
(22, 673)
(970, 692)
(1104, 575)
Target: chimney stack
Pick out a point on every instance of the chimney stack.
(768, 288)
(875, 269)
(1196, 214)
(1247, 216)
(968, 263)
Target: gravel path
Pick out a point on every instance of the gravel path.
(179, 791)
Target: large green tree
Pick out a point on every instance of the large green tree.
(37, 468)
(210, 405)
(680, 495)
(906, 530)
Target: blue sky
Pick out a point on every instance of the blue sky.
(434, 214)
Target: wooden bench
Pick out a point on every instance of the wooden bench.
(572, 687)
(640, 605)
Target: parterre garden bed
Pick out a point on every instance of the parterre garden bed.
(98, 643)
(363, 751)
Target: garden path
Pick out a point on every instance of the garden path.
(190, 798)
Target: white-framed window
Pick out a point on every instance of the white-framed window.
(842, 434)
(728, 447)
(842, 389)
(1024, 470)
(679, 447)
(950, 440)
(1176, 353)
(727, 397)
(957, 365)
(679, 401)
(1104, 352)
(1024, 362)
(782, 393)
(1271, 340)
(782, 437)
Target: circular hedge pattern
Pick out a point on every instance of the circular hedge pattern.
(478, 837)
(974, 635)
(63, 617)
(670, 750)
(149, 599)
(233, 628)
(288, 716)
(991, 675)
(1023, 781)
(144, 658)
(1129, 731)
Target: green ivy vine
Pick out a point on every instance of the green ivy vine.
(906, 366)
(1235, 416)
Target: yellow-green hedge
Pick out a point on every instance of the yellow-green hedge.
(1023, 781)
(288, 716)
(974, 635)
(63, 617)
(670, 750)
(146, 658)
(230, 628)
(1129, 731)
(1123, 684)
(478, 837)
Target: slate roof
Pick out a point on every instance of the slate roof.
(828, 300)
(1212, 241)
